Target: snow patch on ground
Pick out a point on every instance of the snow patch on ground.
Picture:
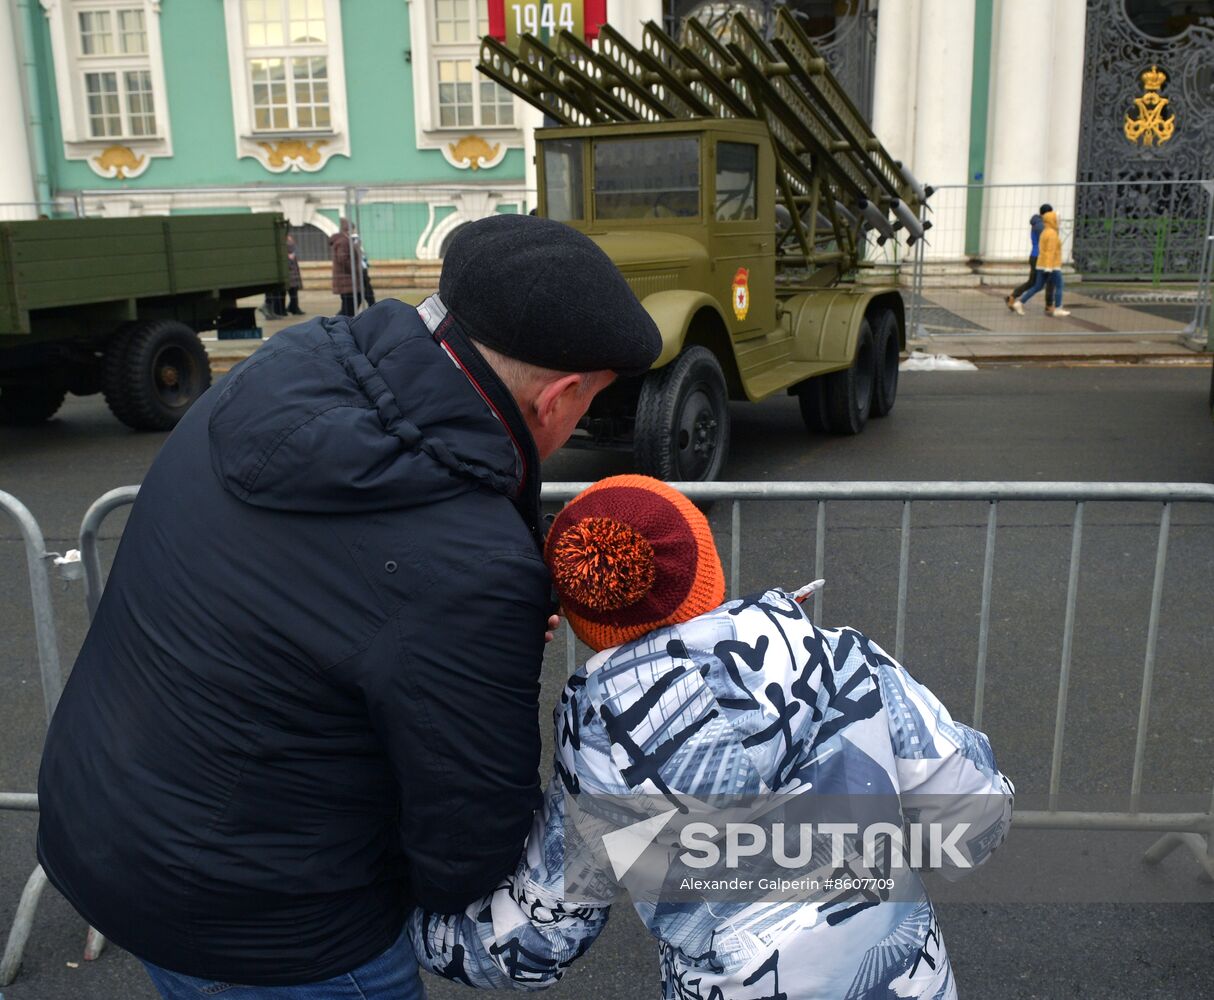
(920, 361)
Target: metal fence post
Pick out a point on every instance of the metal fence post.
(1205, 284)
(356, 224)
(52, 686)
(90, 529)
(355, 283)
(23, 923)
(36, 558)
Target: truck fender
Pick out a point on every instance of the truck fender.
(673, 312)
(826, 324)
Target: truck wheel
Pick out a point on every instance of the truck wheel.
(849, 393)
(811, 395)
(153, 372)
(886, 352)
(682, 420)
(26, 405)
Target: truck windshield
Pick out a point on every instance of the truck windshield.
(647, 178)
(563, 179)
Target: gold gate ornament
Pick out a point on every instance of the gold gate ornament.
(1150, 123)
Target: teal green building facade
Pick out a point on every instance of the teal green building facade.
(314, 108)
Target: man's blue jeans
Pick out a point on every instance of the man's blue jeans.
(391, 975)
(1042, 277)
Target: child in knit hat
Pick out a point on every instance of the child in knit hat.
(699, 708)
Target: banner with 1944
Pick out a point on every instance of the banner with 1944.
(510, 20)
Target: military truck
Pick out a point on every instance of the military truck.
(115, 306)
(736, 187)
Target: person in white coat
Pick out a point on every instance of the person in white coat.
(696, 715)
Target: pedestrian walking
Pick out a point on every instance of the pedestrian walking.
(309, 700)
(341, 249)
(1036, 225)
(294, 279)
(1049, 267)
(742, 711)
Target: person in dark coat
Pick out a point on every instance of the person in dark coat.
(276, 306)
(294, 279)
(309, 699)
(341, 246)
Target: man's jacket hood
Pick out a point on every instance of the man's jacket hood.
(349, 419)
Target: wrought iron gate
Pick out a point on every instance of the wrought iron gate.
(1139, 128)
(844, 32)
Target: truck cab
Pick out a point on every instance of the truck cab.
(676, 205)
(734, 184)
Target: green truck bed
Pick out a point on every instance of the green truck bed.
(116, 306)
(53, 264)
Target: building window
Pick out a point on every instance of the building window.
(462, 97)
(287, 52)
(288, 84)
(112, 56)
(109, 82)
(454, 92)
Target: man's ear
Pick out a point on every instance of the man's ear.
(555, 395)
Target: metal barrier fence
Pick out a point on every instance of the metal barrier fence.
(1137, 258)
(400, 228)
(1138, 254)
(37, 560)
(398, 224)
(417, 222)
(1194, 830)
(18, 211)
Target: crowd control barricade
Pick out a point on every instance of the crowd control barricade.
(1194, 830)
(38, 561)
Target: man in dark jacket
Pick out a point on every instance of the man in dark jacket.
(309, 698)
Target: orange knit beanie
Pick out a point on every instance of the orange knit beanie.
(629, 555)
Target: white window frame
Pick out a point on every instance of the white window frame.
(467, 51)
(425, 56)
(293, 148)
(71, 67)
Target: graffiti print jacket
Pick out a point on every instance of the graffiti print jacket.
(735, 712)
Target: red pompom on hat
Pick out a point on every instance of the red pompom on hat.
(630, 555)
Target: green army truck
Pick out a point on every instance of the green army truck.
(737, 188)
(115, 306)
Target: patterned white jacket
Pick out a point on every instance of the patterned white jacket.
(739, 709)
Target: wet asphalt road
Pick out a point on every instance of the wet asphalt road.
(1125, 424)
